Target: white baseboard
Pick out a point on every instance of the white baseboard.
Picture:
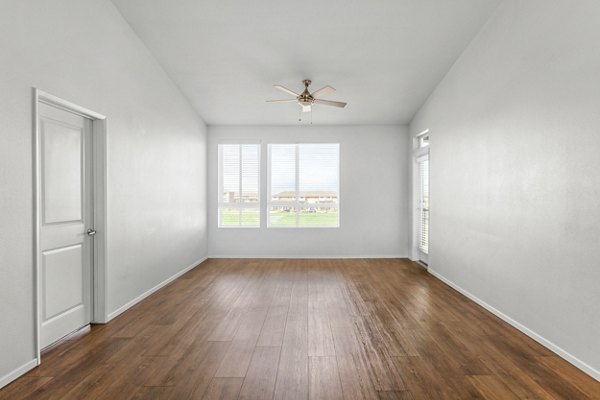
(291, 256)
(588, 369)
(11, 376)
(164, 283)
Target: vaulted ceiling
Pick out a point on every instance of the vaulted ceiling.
(384, 57)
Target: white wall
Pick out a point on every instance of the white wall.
(373, 195)
(84, 52)
(515, 187)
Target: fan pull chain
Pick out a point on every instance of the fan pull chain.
(300, 115)
(311, 115)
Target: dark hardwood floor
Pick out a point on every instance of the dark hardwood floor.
(297, 329)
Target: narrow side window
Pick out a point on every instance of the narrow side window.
(239, 186)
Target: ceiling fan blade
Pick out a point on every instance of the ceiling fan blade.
(288, 91)
(331, 103)
(282, 101)
(324, 91)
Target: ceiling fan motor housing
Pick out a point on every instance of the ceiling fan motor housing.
(305, 98)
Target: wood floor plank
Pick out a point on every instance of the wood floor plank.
(396, 395)
(292, 374)
(583, 382)
(299, 328)
(299, 294)
(238, 357)
(262, 374)
(422, 380)
(356, 382)
(27, 386)
(69, 354)
(164, 337)
(382, 370)
(492, 388)
(62, 383)
(228, 326)
(519, 382)
(546, 377)
(191, 377)
(274, 326)
(343, 331)
(109, 382)
(320, 338)
(223, 389)
(324, 379)
(153, 393)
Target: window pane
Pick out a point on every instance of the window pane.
(318, 217)
(239, 217)
(318, 174)
(229, 216)
(318, 166)
(282, 216)
(239, 180)
(230, 164)
(250, 217)
(307, 177)
(283, 172)
(250, 173)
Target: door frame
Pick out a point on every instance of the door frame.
(99, 165)
(422, 256)
(416, 153)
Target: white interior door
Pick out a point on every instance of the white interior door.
(66, 214)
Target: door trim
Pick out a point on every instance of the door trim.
(99, 276)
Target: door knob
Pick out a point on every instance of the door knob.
(91, 232)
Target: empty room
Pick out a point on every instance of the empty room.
(226, 199)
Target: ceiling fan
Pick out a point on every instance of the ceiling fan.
(307, 99)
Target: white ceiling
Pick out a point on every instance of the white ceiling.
(384, 57)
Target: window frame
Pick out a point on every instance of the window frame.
(239, 206)
(423, 139)
(296, 204)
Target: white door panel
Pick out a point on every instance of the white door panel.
(62, 181)
(62, 280)
(66, 214)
